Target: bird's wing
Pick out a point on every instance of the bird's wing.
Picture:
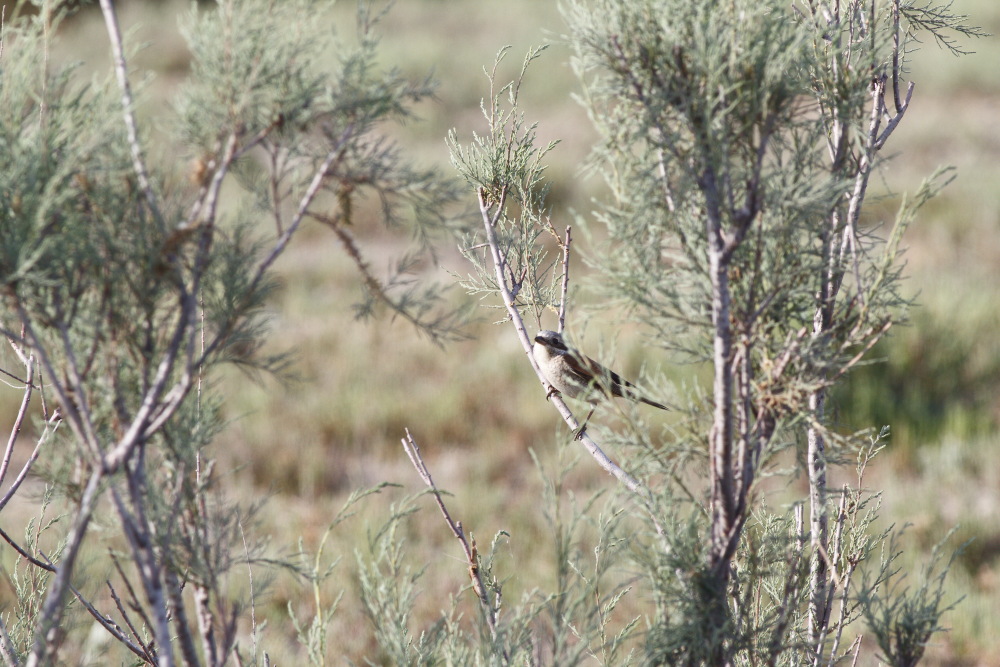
(609, 381)
(580, 368)
(588, 372)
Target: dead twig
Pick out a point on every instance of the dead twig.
(471, 553)
(145, 652)
(565, 279)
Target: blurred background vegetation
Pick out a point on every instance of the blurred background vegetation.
(475, 407)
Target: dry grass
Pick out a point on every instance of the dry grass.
(475, 408)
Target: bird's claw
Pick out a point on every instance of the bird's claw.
(551, 392)
(580, 433)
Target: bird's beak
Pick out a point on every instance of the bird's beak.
(538, 339)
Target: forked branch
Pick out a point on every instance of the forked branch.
(491, 213)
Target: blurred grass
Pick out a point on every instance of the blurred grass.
(475, 408)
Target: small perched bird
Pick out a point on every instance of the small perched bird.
(573, 374)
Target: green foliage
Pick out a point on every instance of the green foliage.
(30, 582)
(124, 287)
(506, 165)
(314, 103)
(935, 377)
(738, 141)
(315, 570)
(129, 298)
(903, 620)
(586, 616)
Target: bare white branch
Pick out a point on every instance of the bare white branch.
(128, 105)
(15, 429)
(565, 279)
(471, 553)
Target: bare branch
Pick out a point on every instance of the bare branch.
(565, 279)
(78, 422)
(135, 528)
(148, 648)
(894, 121)
(128, 106)
(471, 554)
(48, 567)
(134, 599)
(138, 430)
(206, 625)
(115, 630)
(208, 196)
(15, 429)
(895, 60)
(178, 613)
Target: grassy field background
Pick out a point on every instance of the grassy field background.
(474, 406)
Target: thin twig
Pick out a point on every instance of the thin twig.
(838, 577)
(76, 384)
(149, 648)
(48, 567)
(565, 279)
(114, 629)
(253, 602)
(371, 281)
(20, 382)
(134, 602)
(139, 430)
(128, 105)
(208, 195)
(894, 121)
(50, 427)
(413, 452)
(71, 409)
(856, 648)
(875, 338)
(15, 429)
(668, 197)
(178, 615)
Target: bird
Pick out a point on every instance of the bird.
(577, 376)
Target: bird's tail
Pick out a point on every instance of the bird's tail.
(653, 403)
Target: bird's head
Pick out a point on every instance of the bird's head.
(552, 341)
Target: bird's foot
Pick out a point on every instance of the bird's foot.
(552, 392)
(580, 432)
